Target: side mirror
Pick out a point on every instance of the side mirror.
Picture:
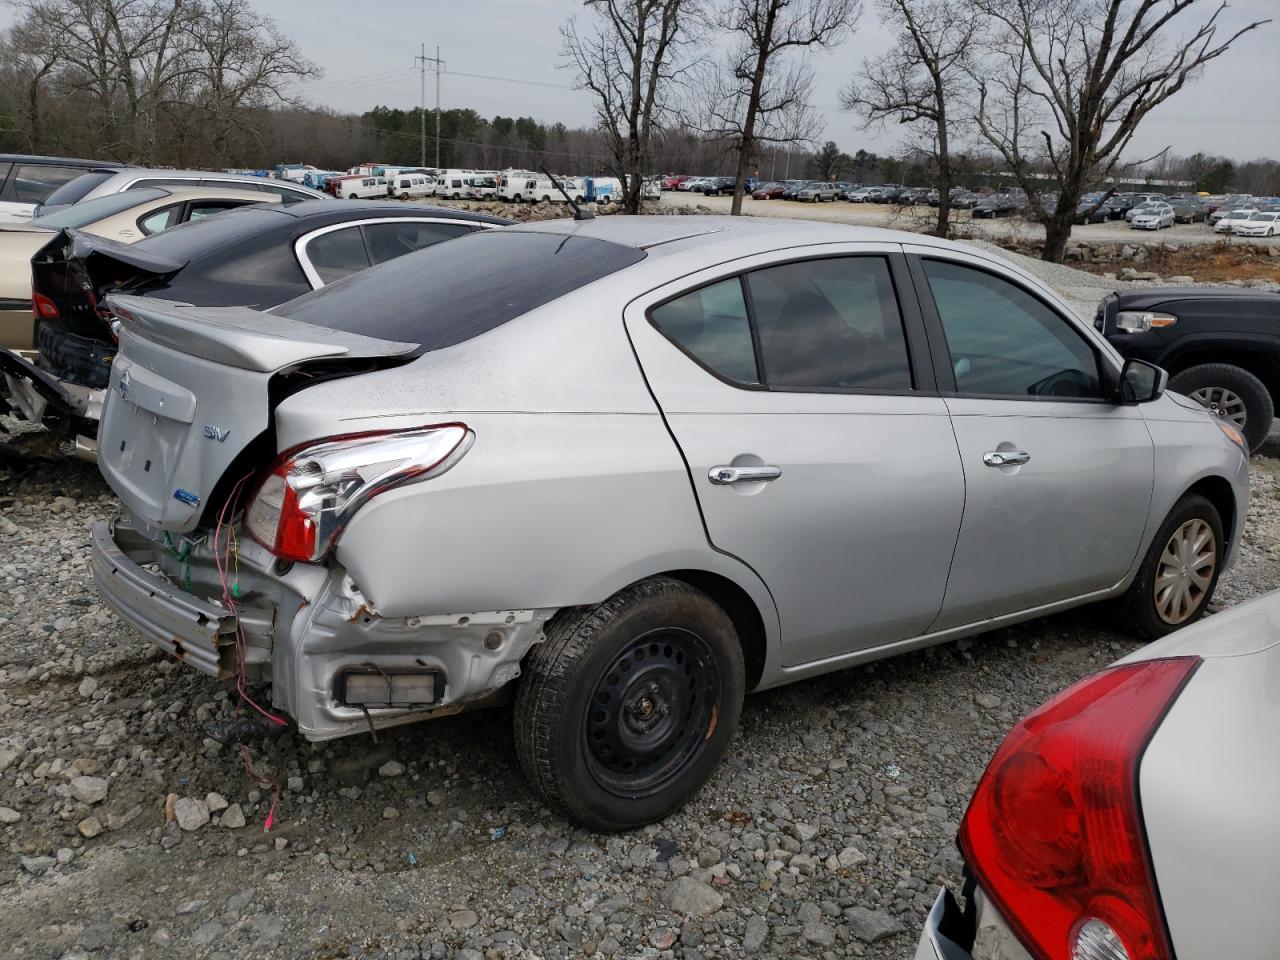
(1140, 382)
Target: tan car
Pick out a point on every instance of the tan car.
(126, 217)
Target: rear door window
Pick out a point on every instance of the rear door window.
(159, 220)
(392, 239)
(830, 324)
(711, 325)
(817, 325)
(337, 254)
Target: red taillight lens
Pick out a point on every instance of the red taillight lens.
(309, 495)
(1054, 831)
(43, 307)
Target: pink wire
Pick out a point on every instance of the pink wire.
(241, 642)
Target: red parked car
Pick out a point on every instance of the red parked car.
(670, 183)
(769, 191)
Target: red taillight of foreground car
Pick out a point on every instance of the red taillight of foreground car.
(43, 308)
(1054, 832)
(310, 493)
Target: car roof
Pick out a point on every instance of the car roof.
(44, 161)
(674, 234)
(353, 209)
(216, 193)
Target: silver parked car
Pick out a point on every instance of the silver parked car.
(629, 469)
(1134, 815)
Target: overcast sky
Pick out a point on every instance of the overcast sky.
(367, 54)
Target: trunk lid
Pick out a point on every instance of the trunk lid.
(76, 271)
(191, 389)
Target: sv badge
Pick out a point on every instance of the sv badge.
(216, 433)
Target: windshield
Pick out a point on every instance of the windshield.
(91, 211)
(447, 294)
(1264, 216)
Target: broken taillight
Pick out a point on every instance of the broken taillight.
(1054, 832)
(43, 308)
(309, 495)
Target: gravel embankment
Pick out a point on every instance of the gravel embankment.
(126, 833)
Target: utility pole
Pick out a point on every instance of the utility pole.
(422, 59)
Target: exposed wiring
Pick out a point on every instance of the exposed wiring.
(228, 565)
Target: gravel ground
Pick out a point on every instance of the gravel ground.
(126, 833)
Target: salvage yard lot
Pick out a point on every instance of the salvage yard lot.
(922, 218)
(824, 834)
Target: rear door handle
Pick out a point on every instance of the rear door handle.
(722, 476)
(1005, 458)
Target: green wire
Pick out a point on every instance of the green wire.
(184, 558)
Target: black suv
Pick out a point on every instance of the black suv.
(1221, 346)
(718, 185)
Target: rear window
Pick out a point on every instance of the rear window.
(79, 188)
(91, 211)
(452, 292)
(193, 239)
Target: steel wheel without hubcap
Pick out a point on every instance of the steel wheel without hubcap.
(1221, 402)
(1185, 572)
(651, 711)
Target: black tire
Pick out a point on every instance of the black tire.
(1259, 410)
(584, 750)
(1138, 606)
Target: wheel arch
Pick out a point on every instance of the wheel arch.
(1217, 490)
(747, 619)
(1253, 358)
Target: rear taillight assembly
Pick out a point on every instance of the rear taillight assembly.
(1054, 832)
(43, 308)
(309, 495)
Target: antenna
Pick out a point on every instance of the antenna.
(578, 212)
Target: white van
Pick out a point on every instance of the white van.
(518, 187)
(452, 184)
(482, 187)
(406, 185)
(363, 188)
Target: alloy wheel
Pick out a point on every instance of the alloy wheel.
(651, 711)
(1223, 403)
(1185, 571)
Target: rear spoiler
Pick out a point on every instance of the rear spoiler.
(242, 337)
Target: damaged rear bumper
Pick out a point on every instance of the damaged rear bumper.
(308, 630)
(37, 394)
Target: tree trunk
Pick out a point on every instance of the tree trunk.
(740, 181)
(943, 226)
(34, 111)
(1057, 231)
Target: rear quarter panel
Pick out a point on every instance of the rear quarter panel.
(572, 489)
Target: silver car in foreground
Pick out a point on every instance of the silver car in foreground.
(1134, 816)
(628, 469)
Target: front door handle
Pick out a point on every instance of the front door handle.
(1005, 458)
(721, 476)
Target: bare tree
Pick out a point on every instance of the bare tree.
(628, 58)
(760, 98)
(1069, 82)
(137, 74)
(920, 80)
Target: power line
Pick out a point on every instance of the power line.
(527, 83)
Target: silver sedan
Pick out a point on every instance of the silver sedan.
(1134, 815)
(627, 470)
